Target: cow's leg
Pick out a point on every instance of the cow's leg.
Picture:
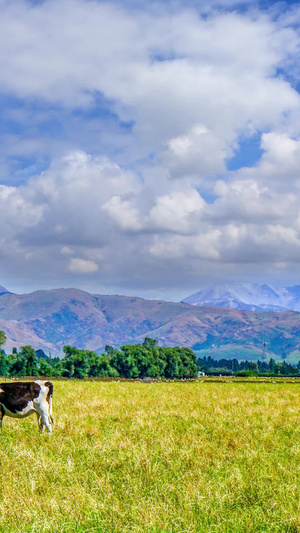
(40, 422)
(50, 411)
(1, 415)
(44, 418)
(47, 422)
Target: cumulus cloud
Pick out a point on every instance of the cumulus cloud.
(177, 212)
(121, 141)
(167, 72)
(282, 156)
(248, 201)
(123, 214)
(82, 266)
(197, 155)
(203, 246)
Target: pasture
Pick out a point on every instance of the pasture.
(156, 458)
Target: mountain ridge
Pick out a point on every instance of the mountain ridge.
(48, 320)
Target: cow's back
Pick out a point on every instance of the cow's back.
(15, 396)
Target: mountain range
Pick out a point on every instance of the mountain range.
(248, 297)
(50, 319)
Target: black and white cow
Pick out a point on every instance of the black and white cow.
(21, 399)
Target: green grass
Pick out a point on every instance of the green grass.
(156, 458)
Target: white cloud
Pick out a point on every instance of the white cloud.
(123, 214)
(217, 71)
(67, 250)
(247, 200)
(82, 266)
(177, 212)
(282, 156)
(197, 155)
(203, 246)
(152, 202)
(17, 210)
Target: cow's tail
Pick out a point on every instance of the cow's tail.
(49, 399)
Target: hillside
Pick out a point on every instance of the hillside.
(51, 319)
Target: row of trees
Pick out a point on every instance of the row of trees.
(233, 366)
(130, 361)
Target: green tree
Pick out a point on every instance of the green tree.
(75, 363)
(252, 365)
(3, 358)
(278, 368)
(109, 350)
(31, 361)
(188, 364)
(272, 366)
(150, 343)
(3, 364)
(16, 365)
(155, 363)
(45, 369)
(2, 338)
(124, 362)
(130, 361)
(170, 358)
(138, 360)
(100, 367)
(235, 365)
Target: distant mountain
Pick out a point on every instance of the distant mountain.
(48, 320)
(3, 290)
(248, 297)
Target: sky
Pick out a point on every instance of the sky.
(149, 148)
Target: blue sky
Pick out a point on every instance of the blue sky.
(149, 148)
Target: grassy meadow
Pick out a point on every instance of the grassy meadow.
(156, 458)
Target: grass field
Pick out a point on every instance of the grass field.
(156, 457)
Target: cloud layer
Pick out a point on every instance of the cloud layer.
(119, 128)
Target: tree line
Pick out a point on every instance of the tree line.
(211, 366)
(130, 361)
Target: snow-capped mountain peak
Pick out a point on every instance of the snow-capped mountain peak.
(248, 296)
